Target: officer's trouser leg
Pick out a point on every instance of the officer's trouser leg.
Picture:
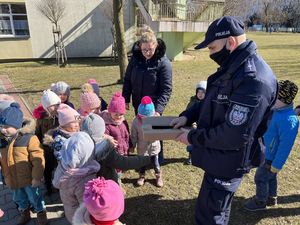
(214, 200)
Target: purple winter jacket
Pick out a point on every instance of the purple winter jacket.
(119, 132)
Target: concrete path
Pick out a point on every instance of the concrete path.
(53, 203)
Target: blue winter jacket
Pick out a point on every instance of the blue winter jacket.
(280, 136)
(233, 115)
(151, 77)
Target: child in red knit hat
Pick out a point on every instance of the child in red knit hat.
(116, 124)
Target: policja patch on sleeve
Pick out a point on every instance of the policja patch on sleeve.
(238, 115)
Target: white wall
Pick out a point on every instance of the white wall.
(86, 29)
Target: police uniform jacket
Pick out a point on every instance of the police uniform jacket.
(233, 115)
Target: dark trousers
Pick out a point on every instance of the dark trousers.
(266, 183)
(50, 165)
(214, 200)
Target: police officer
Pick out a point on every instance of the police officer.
(231, 120)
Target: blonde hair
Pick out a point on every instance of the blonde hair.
(86, 88)
(147, 35)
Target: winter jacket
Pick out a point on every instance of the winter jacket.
(55, 138)
(143, 147)
(233, 115)
(151, 77)
(82, 217)
(193, 101)
(110, 160)
(280, 136)
(44, 123)
(70, 183)
(23, 159)
(69, 103)
(119, 132)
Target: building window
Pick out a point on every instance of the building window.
(13, 20)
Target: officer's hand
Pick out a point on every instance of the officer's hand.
(183, 137)
(35, 183)
(127, 105)
(156, 114)
(178, 122)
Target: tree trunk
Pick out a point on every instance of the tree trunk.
(120, 36)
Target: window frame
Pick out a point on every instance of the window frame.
(11, 15)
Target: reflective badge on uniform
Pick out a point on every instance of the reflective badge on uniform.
(238, 115)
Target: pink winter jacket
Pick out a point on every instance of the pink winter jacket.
(70, 183)
(146, 148)
(119, 132)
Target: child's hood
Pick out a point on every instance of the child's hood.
(28, 126)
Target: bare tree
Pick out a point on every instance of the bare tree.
(242, 8)
(54, 11)
(120, 36)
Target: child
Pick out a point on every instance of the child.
(145, 109)
(22, 163)
(116, 125)
(46, 119)
(63, 90)
(68, 120)
(96, 89)
(279, 140)
(89, 103)
(198, 97)
(105, 152)
(200, 93)
(75, 168)
(103, 203)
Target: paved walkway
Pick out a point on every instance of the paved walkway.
(53, 202)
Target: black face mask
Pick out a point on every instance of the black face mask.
(221, 56)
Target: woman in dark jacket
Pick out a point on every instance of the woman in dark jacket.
(149, 73)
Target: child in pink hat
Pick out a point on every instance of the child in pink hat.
(89, 103)
(68, 119)
(103, 204)
(116, 124)
(96, 90)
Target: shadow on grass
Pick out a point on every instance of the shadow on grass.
(174, 160)
(151, 209)
(238, 214)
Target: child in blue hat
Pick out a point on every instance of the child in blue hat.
(146, 148)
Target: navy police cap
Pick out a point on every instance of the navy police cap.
(223, 27)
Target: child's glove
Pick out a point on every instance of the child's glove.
(35, 183)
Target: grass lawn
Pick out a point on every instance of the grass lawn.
(175, 202)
